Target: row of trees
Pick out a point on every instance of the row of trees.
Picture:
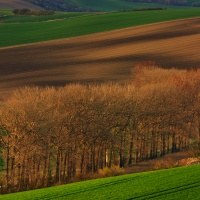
(26, 11)
(51, 135)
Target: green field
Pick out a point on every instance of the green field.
(172, 184)
(7, 16)
(22, 33)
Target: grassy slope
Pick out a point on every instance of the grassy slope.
(14, 34)
(175, 184)
(111, 5)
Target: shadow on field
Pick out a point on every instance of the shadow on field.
(107, 56)
(167, 191)
(88, 189)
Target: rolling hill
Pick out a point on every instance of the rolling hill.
(6, 16)
(100, 57)
(90, 5)
(109, 5)
(71, 5)
(12, 4)
(21, 33)
(157, 185)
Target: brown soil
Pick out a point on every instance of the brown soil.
(12, 4)
(107, 56)
(149, 165)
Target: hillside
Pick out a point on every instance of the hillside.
(7, 16)
(59, 5)
(22, 33)
(107, 5)
(100, 57)
(150, 185)
(11, 4)
(93, 5)
(111, 5)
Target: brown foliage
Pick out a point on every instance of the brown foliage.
(57, 135)
(99, 57)
(26, 11)
(164, 164)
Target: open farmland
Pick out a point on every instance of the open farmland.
(100, 57)
(11, 4)
(21, 33)
(150, 185)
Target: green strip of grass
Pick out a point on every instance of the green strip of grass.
(11, 18)
(178, 183)
(22, 33)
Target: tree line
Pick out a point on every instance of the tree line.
(26, 11)
(53, 135)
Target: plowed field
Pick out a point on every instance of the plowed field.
(107, 56)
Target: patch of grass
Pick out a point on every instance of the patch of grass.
(5, 12)
(175, 184)
(22, 33)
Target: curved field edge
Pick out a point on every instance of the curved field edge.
(15, 34)
(177, 183)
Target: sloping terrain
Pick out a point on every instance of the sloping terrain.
(59, 5)
(12, 4)
(172, 184)
(6, 16)
(127, 4)
(22, 33)
(170, 159)
(111, 5)
(94, 5)
(107, 56)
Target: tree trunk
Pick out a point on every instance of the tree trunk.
(130, 149)
(57, 178)
(65, 165)
(7, 168)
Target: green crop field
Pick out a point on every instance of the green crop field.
(22, 33)
(172, 184)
